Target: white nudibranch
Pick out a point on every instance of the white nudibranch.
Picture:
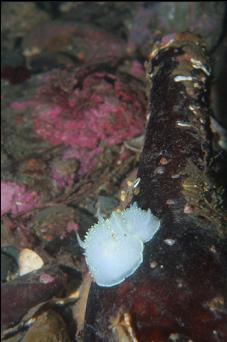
(114, 247)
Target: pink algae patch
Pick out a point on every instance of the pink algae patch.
(46, 278)
(167, 38)
(88, 163)
(137, 69)
(62, 179)
(21, 105)
(104, 109)
(72, 227)
(86, 114)
(16, 199)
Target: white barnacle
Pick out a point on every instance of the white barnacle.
(114, 247)
(197, 64)
(183, 78)
(183, 124)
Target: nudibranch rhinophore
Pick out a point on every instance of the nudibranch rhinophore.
(114, 246)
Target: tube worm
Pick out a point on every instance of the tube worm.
(178, 291)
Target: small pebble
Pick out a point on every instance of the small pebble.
(29, 261)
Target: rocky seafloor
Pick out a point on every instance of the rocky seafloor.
(104, 104)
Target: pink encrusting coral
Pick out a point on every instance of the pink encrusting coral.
(16, 199)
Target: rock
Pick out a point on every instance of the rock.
(29, 261)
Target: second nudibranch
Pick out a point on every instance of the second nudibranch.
(114, 246)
